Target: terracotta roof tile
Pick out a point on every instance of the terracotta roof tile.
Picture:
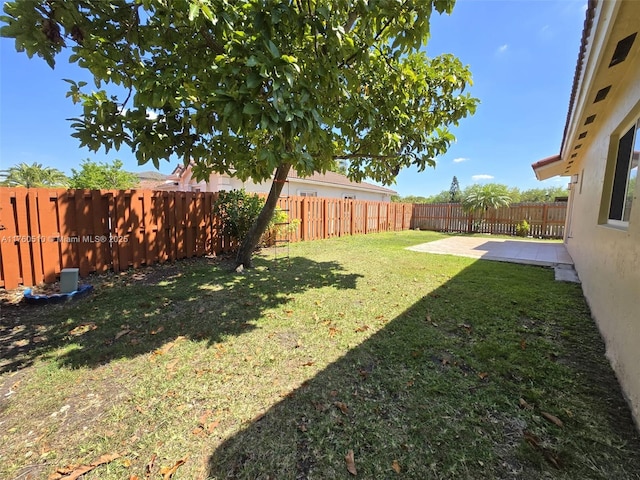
(586, 31)
(546, 161)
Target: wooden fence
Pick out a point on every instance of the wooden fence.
(45, 230)
(546, 220)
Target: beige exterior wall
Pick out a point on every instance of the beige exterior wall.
(294, 187)
(607, 259)
(298, 187)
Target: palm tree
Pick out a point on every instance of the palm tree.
(480, 198)
(33, 176)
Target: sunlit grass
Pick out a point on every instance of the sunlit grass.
(414, 361)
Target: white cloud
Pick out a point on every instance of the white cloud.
(482, 177)
(545, 33)
(502, 48)
(460, 159)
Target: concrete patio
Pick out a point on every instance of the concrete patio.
(531, 252)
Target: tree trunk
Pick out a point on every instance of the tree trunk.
(252, 238)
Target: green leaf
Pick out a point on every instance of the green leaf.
(194, 11)
(275, 53)
(251, 109)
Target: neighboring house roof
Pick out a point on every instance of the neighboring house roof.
(328, 178)
(334, 178)
(156, 181)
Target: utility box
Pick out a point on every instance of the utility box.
(69, 280)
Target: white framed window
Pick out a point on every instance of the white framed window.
(307, 193)
(625, 174)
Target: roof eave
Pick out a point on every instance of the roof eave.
(548, 167)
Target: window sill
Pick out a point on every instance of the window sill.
(616, 225)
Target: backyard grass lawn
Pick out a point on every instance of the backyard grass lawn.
(423, 366)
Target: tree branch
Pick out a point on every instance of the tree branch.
(348, 156)
(217, 49)
(377, 36)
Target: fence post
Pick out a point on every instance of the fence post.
(303, 219)
(325, 218)
(545, 212)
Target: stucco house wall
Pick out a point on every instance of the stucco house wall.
(606, 253)
(329, 185)
(607, 258)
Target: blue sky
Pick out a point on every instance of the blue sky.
(522, 55)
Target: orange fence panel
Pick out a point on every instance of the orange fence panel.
(43, 231)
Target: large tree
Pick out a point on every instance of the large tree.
(33, 176)
(102, 175)
(256, 86)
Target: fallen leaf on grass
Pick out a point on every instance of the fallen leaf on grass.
(121, 333)
(531, 439)
(157, 330)
(363, 328)
(308, 364)
(523, 344)
(167, 472)
(483, 375)
(204, 425)
(320, 407)
(139, 409)
(466, 327)
(396, 466)
(82, 329)
(149, 466)
(333, 331)
(171, 366)
(549, 455)
(342, 406)
(212, 426)
(351, 463)
(553, 419)
(523, 404)
(166, 347)
(552, 458)
(75, 472)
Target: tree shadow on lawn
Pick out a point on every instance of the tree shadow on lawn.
(435, 393)
(143, 310)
